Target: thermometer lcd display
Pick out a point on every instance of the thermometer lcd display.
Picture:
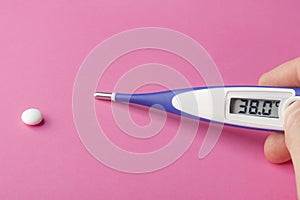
(255, 107)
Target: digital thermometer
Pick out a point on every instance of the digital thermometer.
(254, 107)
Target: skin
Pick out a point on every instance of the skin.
(278, 147)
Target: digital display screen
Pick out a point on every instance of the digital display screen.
(255, 107)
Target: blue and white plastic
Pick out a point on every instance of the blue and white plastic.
(213, 103)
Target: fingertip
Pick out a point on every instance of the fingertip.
(275, 149)
(292, 127)
(263, 79)
(286, 74)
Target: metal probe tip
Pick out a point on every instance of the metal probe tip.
(103, 96)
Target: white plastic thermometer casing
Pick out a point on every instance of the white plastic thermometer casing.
(219, 104)
(206, 102)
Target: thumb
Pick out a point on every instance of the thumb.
(292, 137)
(292, 128)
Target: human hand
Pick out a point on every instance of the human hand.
(280, 147)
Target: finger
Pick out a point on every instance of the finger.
(292, 137)
(292, 128)
(287, 74)
(275, 148)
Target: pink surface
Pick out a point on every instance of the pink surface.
(43, 44)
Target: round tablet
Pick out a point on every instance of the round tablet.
(32, 116)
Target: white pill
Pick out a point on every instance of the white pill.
(32, 116)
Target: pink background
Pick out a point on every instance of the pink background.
(43, 44)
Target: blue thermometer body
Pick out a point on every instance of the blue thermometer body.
(253, 107)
